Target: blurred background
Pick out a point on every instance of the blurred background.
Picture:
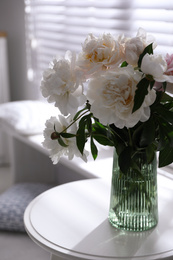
(38, 30)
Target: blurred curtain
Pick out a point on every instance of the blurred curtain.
(4, 94)
(54, 26)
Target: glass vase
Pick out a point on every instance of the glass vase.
(133, 202)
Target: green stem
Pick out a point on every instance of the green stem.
(75, 121)
(130, 138)
(115, 133)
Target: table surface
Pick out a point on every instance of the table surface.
(71, 221)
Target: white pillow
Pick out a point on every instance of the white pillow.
(27, 117)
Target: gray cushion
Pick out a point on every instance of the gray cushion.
(14, 201)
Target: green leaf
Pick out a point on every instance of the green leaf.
(81, 134)
(150, 153)
(164, 113)
(136, 136)
(61, 142)
(102, 139)
(166, 156)
(170, 137)
(80, 138)
(148, 133)
(124, 159)
(101, 134)
(166, 98)
(84, 119)
(152, 82)
(98, 125)
(124, 64)
(89, 126)
(162, 138)
(164, 84)
(149, 50)
(165, 130)
(67, 135)
(94, 150)
(140, 93)
(157, 101)
(120, 135)
(120, 138)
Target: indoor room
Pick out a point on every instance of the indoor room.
(86, 129)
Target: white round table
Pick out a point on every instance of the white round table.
(70, 221)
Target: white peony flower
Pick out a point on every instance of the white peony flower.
(62, 84)
(156, 66)
(56, 150)
(136, 45)
(100, 52)
(112, 98)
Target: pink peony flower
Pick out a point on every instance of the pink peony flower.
(169, 60)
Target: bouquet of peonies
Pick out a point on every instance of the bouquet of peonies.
(113, 93)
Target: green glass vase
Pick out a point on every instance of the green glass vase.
(133, 202)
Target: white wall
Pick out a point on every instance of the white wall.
(12, 21)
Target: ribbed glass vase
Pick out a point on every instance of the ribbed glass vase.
(133, 202)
